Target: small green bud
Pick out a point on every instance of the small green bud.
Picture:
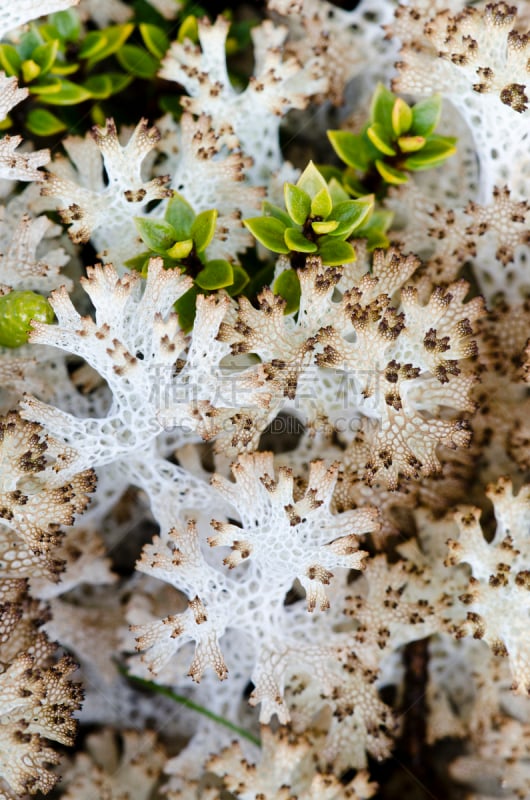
(17, 309)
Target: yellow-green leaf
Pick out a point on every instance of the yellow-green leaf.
(180, 216)
(434, 153)
(46, 86)
(64, 69)
(137, 61)
(409, 144)
(45, 54)
(287, 285)
(297, 203)
(68, 94)
(295, 240)
(189, 29)
(377, 135)
(186, 307)
(350, 148)
(155, 39)
(99, 86)
(67, 24)
(335, 252)
(42, 122)
(217, 274)
(203, 229)
(240, 280)
(158, 235)
(114, 37)
(311, 181)
(381, 108)
(10, 60)
(350, 214)
(390, 174)
(278, 213)
(269, 231)
(180, 249)
(326, 226)
(321, 204)
(401, 117)
(426, 115)
(30, 70)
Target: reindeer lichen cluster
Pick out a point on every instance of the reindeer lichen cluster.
(264, 423)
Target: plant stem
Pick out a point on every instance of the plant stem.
(184, 701)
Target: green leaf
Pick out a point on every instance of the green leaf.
(278, 213)
(155, 39)
(28, 42)
(436, 150)
(337, 192)
(203, 229)
(381, 108)
(409, 144)
(296, 241)
(42, 122)
(138, 61)
(335, 252)
(47, 86)
(325, 226)
(67, 24)
(426, 115)
(287, 285)
(269, 231)
(186, 307)
(30, 70)
(93, 43)
(17, 309)
(391, 174)
(10, 60)
(350, 148)
(352, 184)
(156, 234)
(297, 203)
(311, 181)
(139, 263)
(114, 37)
(240, 34)
(45, 54)
(321, 204)
(180, 216)
(401, 117)
(329, 172)
(97, 115)
(378, 136)
(217, 274)
(119, 81)
(374, 230)
(240, 280)
(351, 214)
(64, 69)
(180, 250)
(69, 94)
(99, 86)
(189, 29)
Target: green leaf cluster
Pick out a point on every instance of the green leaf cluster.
(397, 140)
(62, 64)
(181, 239)
(316, 220)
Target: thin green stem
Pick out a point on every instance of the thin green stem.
(184, 701)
